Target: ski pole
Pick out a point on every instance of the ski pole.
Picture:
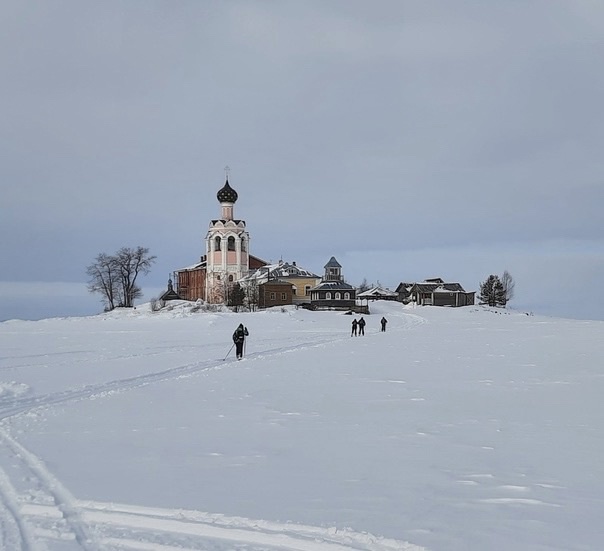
(228, 352)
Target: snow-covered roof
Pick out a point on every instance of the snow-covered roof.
(201, 264)
(281, 270)
(444, 287)
(333, 285)
(377, 292)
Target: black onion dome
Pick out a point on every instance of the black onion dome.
(227, 194)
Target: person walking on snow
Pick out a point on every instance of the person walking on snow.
(361, 326)
(354, 327)
(239, 339)
(384, 321)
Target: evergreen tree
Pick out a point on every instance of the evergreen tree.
(492, 291)
(252, 294)
(500, 299)
(236, 296)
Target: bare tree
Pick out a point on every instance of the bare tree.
(364, 286)
(131, 263)
(114, 276)
(104, 279)
(508, 286)
(217, 292)
(219, 289)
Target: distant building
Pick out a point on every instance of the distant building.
(170, 294)
(274, 292)
(435, 292)
(378, 293)
(191, 281)
(403, 292)
(227, 257)
(300, 280)
(333, 293)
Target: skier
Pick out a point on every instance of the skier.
(354, 327)
(384, 321)
(361, 326)
(239, 339)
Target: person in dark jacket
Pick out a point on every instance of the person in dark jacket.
(354, 327)
(361, 326)
(384, 321)
(239, 339)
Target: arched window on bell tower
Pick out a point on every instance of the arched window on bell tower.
(217, 243)
(231, 243)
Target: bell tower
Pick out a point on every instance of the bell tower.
(227, 247)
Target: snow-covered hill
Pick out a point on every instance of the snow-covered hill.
(456, 429)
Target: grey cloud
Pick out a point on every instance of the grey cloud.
(399, 125)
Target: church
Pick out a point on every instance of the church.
(227, 260)
(227, 257)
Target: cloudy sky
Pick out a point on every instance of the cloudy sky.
(408, 138)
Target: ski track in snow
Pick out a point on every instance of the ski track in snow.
(54, 492)
(17, 405)
(37, 513)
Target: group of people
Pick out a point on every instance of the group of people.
(358, 326)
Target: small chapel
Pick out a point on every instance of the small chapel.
(227, 256)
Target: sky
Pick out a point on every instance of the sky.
(408, 138)
(456, 429)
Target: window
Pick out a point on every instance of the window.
(328, 296)
(294, 289)
(338, 296)
(243, 245)
(231, 277)
(346, 296)
(283, 296)
(273, 296)
(217, 244)
(306, 289)
(231, 243)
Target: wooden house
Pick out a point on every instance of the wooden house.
(435, 292)
(301, 280)
(191, 281)
(274, 292)
(377, 293)
(403, 292)
(333, 293)
(170, 293)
